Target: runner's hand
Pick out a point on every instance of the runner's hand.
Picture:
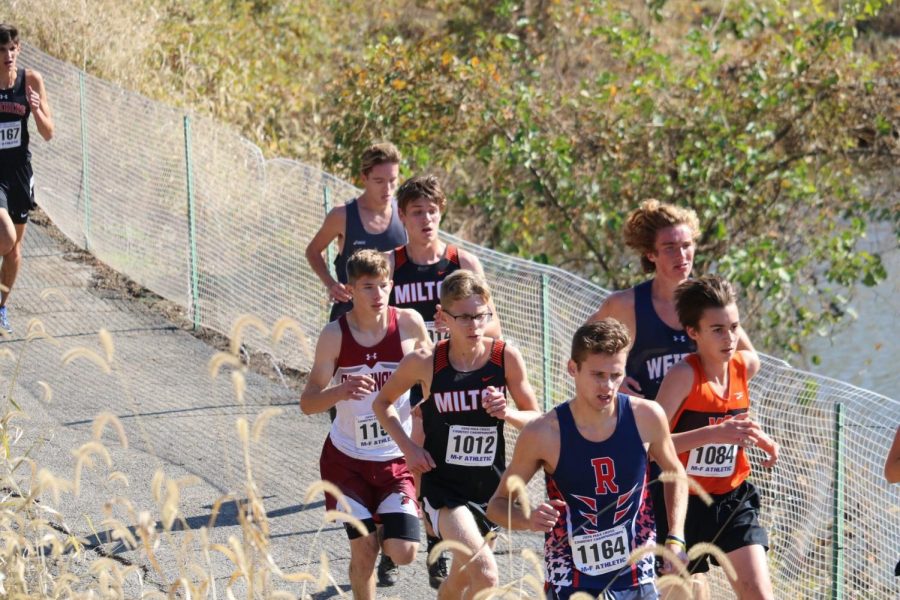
(544, 515)
(418, 460)
(494, 402)
(34, 99)
(339, 292)
(670, 568)
(770, 447)
(357, 387)
(740, 430)
(631, 387)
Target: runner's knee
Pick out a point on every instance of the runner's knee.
(402, 552)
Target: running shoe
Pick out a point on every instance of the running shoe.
(437, 571)
(388, 572)
(4, 320)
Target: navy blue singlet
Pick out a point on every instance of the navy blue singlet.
(604, 486)
(357, 238)
(656, 345)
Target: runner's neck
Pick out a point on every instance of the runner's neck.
(465, 356)
(428, 253)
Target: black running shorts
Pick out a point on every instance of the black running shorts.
(17, 191)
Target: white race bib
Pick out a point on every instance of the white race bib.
(369, 433)
(10, 135)
(471, 446)
(712, 460)
(597, 553)
(435, 335)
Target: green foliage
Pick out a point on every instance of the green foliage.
(550, 120)
(764, 120)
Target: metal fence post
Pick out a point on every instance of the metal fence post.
(85, 178)
(546, 346)
(837, 565)
(192, 224)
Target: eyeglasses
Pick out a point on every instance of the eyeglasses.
(479, 319)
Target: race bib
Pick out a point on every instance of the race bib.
(602, 552)
(369, 433)
(10, 135)
(471, 446)
(436, 336)
(712, 460)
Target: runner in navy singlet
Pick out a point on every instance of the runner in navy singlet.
(419, 268)
(371, 221)
(597, 479)
(664, 237)
(22, 94)
(465, 380)
(355, 355)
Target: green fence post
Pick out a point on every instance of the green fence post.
(192, 224)
(837, 565)
(326, 202)
(85, 179)
(546, 346)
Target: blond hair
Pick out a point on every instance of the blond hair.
(648, 219)
(462, 284)
(606, 336)
(379, 154)
(367, 263)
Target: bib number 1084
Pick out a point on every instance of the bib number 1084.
(712, 460)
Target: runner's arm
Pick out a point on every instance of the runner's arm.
(413, 326)
(414, 368)
(663, 452)
(506, 506)
(332, 228)
(317, 395)
(892, 464)
(40, 108)
(674, 390)
(526, 404)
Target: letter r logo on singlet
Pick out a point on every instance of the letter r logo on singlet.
(604, 475)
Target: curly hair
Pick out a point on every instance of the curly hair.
(648, 219)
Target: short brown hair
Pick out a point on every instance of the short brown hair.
(461, 284)
(648, 219)
(8, 33)
(378, 154)
(367, 263)
(694, 296)
(425, 187)
(606, 336)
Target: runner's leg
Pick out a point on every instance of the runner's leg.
(468, 574)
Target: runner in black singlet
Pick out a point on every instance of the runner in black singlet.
(22, 94)
(465, 380)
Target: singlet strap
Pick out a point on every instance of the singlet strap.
(497, 352)
(400, 257)
(452, 254)
(441, 356)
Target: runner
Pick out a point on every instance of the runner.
(464, 379)
(425, 261)
(597, 480)
(355, 355)
(22, 94)
(370, 221)
(707, 402)
(664, 236)
(419, 268)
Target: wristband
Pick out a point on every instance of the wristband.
(674, 539)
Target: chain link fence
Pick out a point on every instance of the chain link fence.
(192, 211)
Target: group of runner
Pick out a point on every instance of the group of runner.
(414, 365)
